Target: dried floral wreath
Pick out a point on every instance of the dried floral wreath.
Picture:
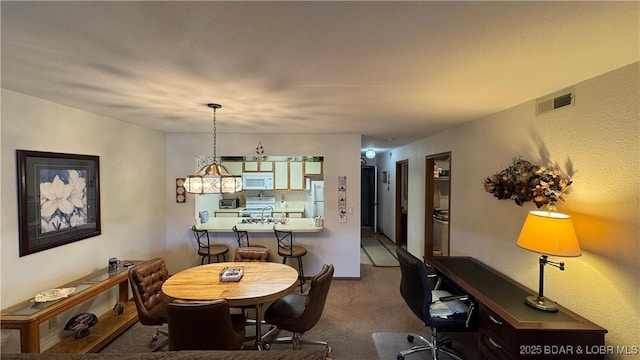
(524, 182)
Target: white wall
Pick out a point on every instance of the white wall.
(338, 244)
(597, 141)
(132, 164)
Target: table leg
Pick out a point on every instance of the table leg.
(258, 327)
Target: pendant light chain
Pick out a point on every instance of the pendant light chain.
(214, 136)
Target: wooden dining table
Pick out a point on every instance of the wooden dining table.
(262, 282)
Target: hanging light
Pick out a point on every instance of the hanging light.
(213, 178)
(370, 154)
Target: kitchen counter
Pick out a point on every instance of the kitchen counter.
(224, 224)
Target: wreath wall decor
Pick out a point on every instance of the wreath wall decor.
(523, 181)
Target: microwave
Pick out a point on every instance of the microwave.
(228, 203)
(257, 181)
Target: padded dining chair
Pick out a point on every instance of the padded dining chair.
(204, 325)
(146, 281)
(438, 309)
(246, 251)
(206, 249)
(287, 250)
(299, 313)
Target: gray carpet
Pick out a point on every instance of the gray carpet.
(378, 253)
(355, 309)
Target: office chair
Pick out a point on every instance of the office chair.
(206, 249)
(146, 281)
(438, 309)
(204, 325)
(287, 250)
(299, 313)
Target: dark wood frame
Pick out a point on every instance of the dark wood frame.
(429, 205)
(32, 166)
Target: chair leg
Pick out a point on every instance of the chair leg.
(300, 273)
(418, 348)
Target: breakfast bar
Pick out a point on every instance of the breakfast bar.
(224, 224)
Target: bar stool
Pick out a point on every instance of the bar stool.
(287, 250)
(206, 249)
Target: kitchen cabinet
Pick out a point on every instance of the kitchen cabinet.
(234, 167)
(251, 165)
(258, 166)
(288, 175)
(312, 168)
(281, 175)
(265, 166)
(296, 178)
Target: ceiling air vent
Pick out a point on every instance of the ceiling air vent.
(555, 101)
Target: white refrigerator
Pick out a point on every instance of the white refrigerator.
(315, 200)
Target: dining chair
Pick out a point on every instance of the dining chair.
(206, 249)
(204, 325)
(287, 250)
(246, 251)
(146, 281)
(299, 313)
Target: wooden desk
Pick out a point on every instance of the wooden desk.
(28, 315)
(509, 329)
(262, 282)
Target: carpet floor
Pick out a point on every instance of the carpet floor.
(354, 311)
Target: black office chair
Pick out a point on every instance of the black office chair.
(438, 309)
(206, 249)
(287, 250)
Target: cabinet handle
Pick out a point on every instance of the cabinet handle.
(494, 320)
(494, 343)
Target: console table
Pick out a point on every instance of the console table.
(28, 315)
(509, 329)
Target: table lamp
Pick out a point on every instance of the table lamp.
(548, 233)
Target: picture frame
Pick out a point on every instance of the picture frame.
(385, 177)
(58, 199)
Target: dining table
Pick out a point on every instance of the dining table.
(261, 283)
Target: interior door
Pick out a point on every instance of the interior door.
(368, 197)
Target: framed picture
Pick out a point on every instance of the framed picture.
(385, 177)
(58, 199)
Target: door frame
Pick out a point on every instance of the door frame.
(430, 161)
(400, 233)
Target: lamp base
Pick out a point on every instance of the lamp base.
(541, 303)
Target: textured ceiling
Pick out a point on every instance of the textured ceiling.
(392, 71)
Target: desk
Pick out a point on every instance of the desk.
(509, 329)
(27, 315)
(262, 282)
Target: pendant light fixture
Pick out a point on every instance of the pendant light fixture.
(213, 178)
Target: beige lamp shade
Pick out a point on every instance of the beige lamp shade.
(549, 233)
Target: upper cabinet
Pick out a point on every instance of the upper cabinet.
(255, 166)
(312, 168)
(296, 178)
(234, 167)
(281, 175)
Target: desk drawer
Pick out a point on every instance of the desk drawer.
(496, 336)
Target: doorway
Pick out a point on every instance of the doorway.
(368, 198)
(438, 201)
(402, 201)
